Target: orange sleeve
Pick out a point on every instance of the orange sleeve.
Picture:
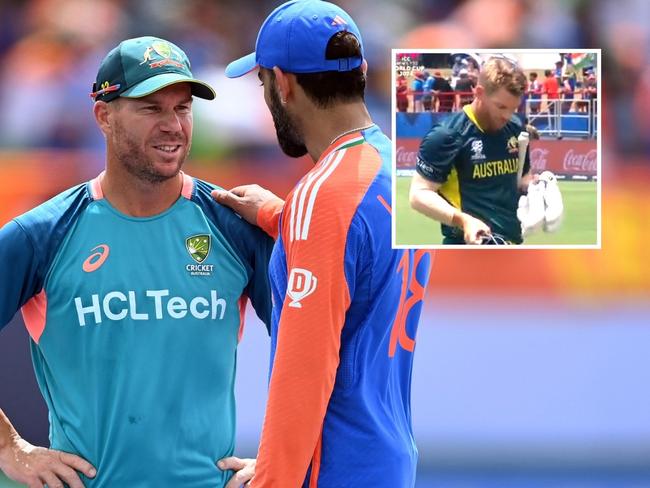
(268, 217)
(314, 232)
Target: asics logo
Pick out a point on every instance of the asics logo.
(96, 259)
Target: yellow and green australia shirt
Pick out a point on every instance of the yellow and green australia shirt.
(477, 170)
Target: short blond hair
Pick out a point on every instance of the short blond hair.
(498, 72)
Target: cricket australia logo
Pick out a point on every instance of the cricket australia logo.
(302, 283)
(477, 149)
(161, 53)
(198, 247)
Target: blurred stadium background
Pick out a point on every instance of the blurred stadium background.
(560, 101)
(532, 367)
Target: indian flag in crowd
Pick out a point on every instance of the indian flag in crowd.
(581, 60)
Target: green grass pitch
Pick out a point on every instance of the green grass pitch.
(578, 225)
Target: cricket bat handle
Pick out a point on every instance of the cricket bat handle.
(523, 140)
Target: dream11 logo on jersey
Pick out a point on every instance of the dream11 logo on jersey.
(302, 283)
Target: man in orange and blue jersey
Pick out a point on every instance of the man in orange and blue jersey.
(346, 305)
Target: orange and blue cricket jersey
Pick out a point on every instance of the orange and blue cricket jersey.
(346, 310)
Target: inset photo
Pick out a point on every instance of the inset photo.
(496, 148)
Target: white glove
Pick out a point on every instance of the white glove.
(554, 208)
(531, 209)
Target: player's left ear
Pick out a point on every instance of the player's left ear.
(364, 67)
(282, 84)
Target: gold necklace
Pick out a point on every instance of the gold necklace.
(350, 132)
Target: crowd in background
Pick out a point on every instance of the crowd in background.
(49, 54)
(566, 88)
(50, 51)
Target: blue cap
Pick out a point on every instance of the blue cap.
(294, 38)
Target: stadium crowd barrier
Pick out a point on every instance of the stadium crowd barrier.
(559, 118)
(567, 158)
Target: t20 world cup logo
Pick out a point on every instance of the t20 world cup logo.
(302, 283)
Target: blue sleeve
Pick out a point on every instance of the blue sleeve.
(257, 246)
(437, 154)
(20, 278)
(357, 253)
(251, 244)
(29, 243)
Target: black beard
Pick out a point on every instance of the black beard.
(288, 135)
(135, 162)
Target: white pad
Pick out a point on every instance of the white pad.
(531, 209)
(554, 207)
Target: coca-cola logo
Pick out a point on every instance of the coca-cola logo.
(538, 159)
(575, 161)
(405, 158)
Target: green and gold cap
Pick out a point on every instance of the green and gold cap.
(140, 66)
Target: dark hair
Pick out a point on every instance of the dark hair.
(329, 87)
(547, 72)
